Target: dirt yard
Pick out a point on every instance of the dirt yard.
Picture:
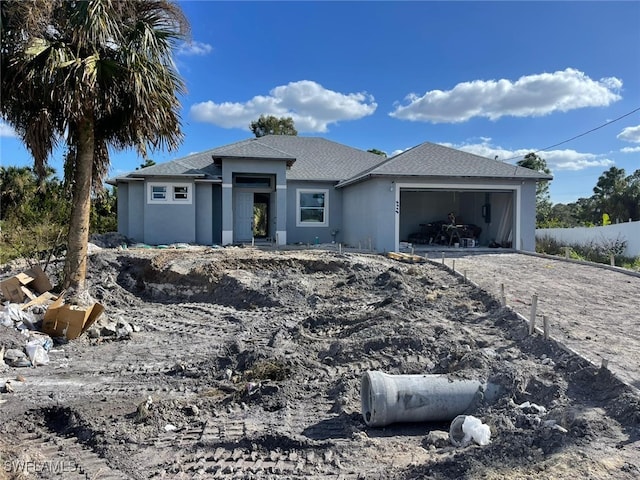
(591, 309)
(241, 363)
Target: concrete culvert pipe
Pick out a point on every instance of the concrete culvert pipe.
(388, 399)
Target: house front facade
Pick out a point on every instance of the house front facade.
(308, 190)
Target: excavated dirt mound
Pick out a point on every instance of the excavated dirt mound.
(248, 365)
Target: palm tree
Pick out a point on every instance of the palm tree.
(22, 190)
(96, 75)
(16, 185)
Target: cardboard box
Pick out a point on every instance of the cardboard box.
(61, 320)
(20, 286)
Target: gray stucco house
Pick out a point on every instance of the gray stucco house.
(312, 190)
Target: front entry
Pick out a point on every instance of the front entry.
(261, 215)
(243, 216)
(251, 216)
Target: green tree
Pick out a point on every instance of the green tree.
(632, 196)
(35, 213)
(104, 207)
(533, 161)
(588, 211)
(93, 74)
(16, 184)
(147, 163)
(25, 195)
(270, 125)
(377, 152)
(611, 193)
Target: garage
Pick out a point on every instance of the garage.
(468, 217)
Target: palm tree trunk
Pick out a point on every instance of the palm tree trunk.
(75, 268)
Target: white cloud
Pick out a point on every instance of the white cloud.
(529, 96)
(7, 130)
(630, 134)
(311, 106)
(630, 149)
(194, 49)
(572, 160)
(556, 159)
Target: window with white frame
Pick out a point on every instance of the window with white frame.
(312, 208)
(169, 193)
(180, 192)
(158, 192)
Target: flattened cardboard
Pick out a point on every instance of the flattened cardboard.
(62, 320)
(12, 290)
(39, 300)
(40, 282)
(17, 288)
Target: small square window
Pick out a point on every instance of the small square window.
(158, 192)
(180, 193)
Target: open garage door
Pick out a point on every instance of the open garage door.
(483, 217)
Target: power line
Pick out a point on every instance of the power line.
(582, 134)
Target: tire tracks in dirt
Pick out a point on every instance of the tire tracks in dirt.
(592, 310)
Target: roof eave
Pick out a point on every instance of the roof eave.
(362, 178)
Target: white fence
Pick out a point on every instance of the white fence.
(628, 232)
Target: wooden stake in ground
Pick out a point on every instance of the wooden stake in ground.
(503, 299)
(532, 320)
(545, 325)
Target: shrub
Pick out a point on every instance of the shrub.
(597, 251)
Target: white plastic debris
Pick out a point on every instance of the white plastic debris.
(554, 426)
(13, 316)
(475, 430)
(467, 428)
(37, 353)
(252, 387)
(169, 427)
(529, 407)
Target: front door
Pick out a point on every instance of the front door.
(261, 215)
(243, 217)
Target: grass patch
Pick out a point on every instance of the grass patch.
(268, 370)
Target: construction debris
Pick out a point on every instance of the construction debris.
(30, 289)
(21, 286)
(406, 257)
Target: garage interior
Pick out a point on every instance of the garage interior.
(482, 218)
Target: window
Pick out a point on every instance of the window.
(158, 192)
(313, 208)
(253, 181)
(169, 193)
(181, 193)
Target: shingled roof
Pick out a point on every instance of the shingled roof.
(433, 160)
(318, 159)
(309, 158)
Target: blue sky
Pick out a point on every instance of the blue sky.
(493, 78)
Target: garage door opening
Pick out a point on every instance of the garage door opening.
(480, 218)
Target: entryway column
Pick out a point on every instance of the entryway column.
(227, 213)
(281, 211)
